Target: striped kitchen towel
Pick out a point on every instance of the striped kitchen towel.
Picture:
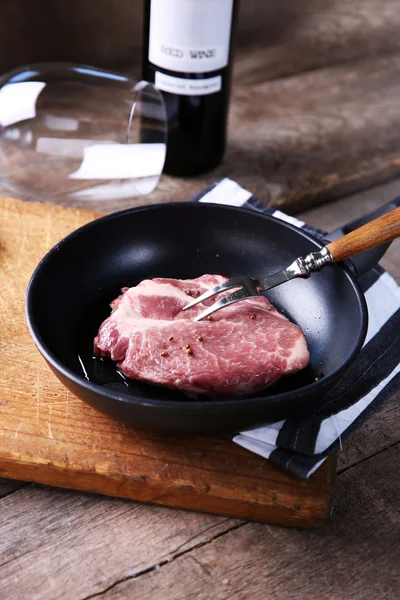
(300, 445)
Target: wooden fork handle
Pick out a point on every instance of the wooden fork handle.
(383, 229)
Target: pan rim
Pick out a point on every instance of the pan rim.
(188, 405)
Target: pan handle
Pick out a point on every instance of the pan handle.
(364, 261)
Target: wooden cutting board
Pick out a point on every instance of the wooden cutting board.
(49, 436)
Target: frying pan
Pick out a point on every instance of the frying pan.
(69, 294)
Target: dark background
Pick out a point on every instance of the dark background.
(296, 35)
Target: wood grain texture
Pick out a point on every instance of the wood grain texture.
(314, 112)
(357, 557)
(313, 137)
(62, 544)
(379, 231)
(49, 436)
(372, 435)
(280, 37)
(295, 142)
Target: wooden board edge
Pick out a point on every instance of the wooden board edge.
(178, 496)
(43, 206)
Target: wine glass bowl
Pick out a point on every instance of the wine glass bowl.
(74, 132)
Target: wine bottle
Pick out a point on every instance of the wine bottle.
(188, 55)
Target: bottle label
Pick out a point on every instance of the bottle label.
(190, 36)
(188, 87)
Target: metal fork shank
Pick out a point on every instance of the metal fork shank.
(233, 282)
(301, 267)
(234, 297)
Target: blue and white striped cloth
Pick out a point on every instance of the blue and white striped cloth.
(300, 445)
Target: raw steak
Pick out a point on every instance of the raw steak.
(242, 349)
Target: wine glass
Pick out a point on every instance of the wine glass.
(76, 134)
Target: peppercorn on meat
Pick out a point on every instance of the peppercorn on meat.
(238, 351)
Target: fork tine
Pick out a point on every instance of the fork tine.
(221, 287)
(234, 297)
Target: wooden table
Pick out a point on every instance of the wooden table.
(63, 544)
(325, 76)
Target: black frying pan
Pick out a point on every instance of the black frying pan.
(69, 294)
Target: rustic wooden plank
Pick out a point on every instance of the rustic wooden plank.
(380, 430)
(114, 31)
(278, 37)
(318, 135)
(311, 138)
(355, 558)
(70, 535)
(294, 142)
(100, 535)
(281, 38)
(65, 545)
(49, 436)
(194, 479)
(276, 133)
